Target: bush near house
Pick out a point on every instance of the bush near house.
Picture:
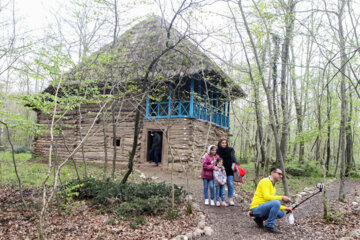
(125, 200)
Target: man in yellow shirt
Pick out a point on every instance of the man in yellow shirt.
(266, 205)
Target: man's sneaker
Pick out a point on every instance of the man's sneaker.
(272, 230)
(231, 202)
(212, 203)
(259, 222)
(206, 201)
(224, 204)
(217, 203)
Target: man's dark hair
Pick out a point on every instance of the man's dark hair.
(273, 169)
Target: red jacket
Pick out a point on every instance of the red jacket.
(208, 166)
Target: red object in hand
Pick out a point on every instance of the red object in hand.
(239, 173)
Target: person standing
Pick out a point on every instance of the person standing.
(156, 147)
(266, 205)
(220, 180)
(208, 166)
(228, 155)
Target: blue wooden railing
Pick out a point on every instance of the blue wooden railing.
(188, 109)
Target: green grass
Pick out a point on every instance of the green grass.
(32, 171)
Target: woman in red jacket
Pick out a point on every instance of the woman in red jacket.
(208, 166)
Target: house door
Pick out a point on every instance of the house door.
(154, 146)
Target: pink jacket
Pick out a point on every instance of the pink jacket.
(208, 166)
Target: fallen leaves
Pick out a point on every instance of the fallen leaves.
(85, 223)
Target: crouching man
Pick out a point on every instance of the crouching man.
(266, 205)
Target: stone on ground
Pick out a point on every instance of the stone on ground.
(196, 206)
(197, 233)
(180, 237)
(208, 231)
(355, 233)
(189, 198)
(201, 224)
(189, 235)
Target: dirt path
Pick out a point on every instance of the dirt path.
(234, 223)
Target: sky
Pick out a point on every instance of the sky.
(37, 18)
(34, 14)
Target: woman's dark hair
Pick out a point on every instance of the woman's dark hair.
(222, 139)
(218, 160)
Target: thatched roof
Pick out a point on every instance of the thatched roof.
(131, 55)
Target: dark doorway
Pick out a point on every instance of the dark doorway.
(153, 142)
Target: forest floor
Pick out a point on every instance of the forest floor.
(234, 223)
(81, 221)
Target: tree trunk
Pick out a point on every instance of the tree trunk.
(105, 146)
(133, 151)
(82, 146)
(299, 116)
(269, 102)
(349, 141)
(328, 146)
(14, 163)
(343, 102)
(259, 140)
(145, 90)
(113, 118)
(289, 25)
(274, 74)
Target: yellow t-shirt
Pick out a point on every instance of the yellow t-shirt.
(265, 191)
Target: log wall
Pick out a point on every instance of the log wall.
(185, 141)
(75, 126)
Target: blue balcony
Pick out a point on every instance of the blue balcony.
(205, 103)
(187, 109)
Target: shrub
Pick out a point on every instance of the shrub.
(21, 149)
(137, 222)
(306, 170)
(189, 209)
(138, 207)
(172, 214)
(354, 174)
(130, 199)
(296, 171)
(243, 160)
(68, 205)
(111, 221)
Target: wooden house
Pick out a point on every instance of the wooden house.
(188, 102)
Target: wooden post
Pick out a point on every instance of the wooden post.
(170, 99)
(206, 110)
(199, 100)
(228, 114)
(212, 116)
(192, 97)
(199, 91)
(223, 115)
(216, 107)
(148, 106)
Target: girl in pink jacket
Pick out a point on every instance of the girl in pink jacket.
(208, 166)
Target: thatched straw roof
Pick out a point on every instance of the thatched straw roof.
(131, 55)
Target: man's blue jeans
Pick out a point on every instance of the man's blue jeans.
(155, 155)
(220, 192)
(230, 184)
(270, 211)
(208, 183)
